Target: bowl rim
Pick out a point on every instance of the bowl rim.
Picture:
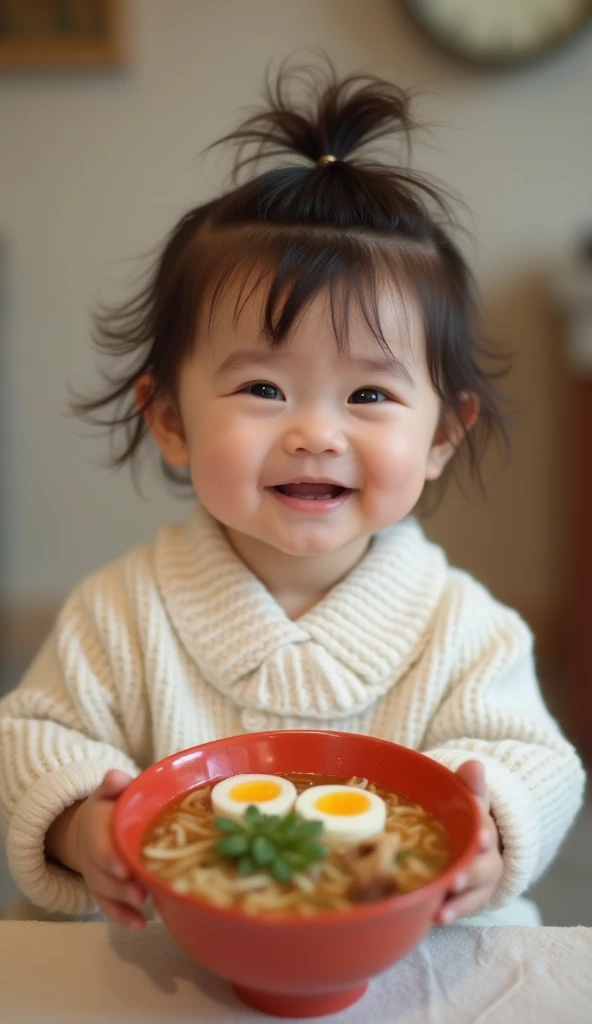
(376, 909)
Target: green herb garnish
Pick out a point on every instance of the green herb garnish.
(279, 845)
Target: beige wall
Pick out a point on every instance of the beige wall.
(95, 167)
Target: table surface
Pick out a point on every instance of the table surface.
(94, 973)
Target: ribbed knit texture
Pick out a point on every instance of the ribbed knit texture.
(178, 644)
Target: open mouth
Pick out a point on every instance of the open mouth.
(311, 491)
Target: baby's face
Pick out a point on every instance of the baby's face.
(304, 448)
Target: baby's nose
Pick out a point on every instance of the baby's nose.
(313, 436)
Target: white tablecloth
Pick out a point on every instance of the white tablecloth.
(97, 973)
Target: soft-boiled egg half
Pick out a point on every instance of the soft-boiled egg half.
(349, 814)
(269, 793)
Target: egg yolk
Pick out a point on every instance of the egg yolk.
(342, 803)
(255, 792)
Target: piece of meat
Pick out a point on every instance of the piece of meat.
(373, 867)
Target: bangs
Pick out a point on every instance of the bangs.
(285, 270)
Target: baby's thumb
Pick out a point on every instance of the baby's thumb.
(113, 784)
(473, 775)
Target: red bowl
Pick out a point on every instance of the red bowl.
(295, 966)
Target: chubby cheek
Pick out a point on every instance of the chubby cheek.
(394, 477)
(225, 469)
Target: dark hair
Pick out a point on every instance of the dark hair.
(341, 225)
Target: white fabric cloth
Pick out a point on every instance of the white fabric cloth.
(455, 976)
(178, 643)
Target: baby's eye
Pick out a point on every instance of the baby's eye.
(367, 396)
(262, 390)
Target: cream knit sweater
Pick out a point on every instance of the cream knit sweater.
(178, 643)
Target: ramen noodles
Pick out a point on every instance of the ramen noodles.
(180, 848)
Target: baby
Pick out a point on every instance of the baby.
(305, 356)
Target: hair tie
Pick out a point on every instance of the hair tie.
(327, 159)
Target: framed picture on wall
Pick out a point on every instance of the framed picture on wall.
(44, 34)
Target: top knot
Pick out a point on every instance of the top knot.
(310, 113)
(310, 117)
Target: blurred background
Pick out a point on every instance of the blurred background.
(98, 160)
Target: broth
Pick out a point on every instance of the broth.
(179, 849)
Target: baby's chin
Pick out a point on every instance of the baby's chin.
(306, 550)
(304, 540)
(294, 544)
(308, 544)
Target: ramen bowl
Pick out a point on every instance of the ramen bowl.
(292, 965)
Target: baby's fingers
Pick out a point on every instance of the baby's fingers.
(105, 886)
(472, 889)
(471, 902)
(122, 913)
(120, 901)
(114, 782)
(472, 774)
(485, 870)
(96, 844)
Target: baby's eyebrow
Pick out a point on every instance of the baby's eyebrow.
(387, 363)
(244, 357)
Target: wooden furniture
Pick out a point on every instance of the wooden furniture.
(575, 295)
(41, 35)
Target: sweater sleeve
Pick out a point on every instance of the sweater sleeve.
(60, 731)
(493, 711)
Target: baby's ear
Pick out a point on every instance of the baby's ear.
(163, 419)
(452, 430)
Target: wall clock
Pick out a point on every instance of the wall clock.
(500, 32)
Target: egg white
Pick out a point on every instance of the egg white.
(227, 806)
(343, 829)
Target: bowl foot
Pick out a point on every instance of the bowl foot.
(285, 1005)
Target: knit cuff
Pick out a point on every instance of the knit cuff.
(47, 885)
(513, 808)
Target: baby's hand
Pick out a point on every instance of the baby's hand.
(108, 879)
(474, 888)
